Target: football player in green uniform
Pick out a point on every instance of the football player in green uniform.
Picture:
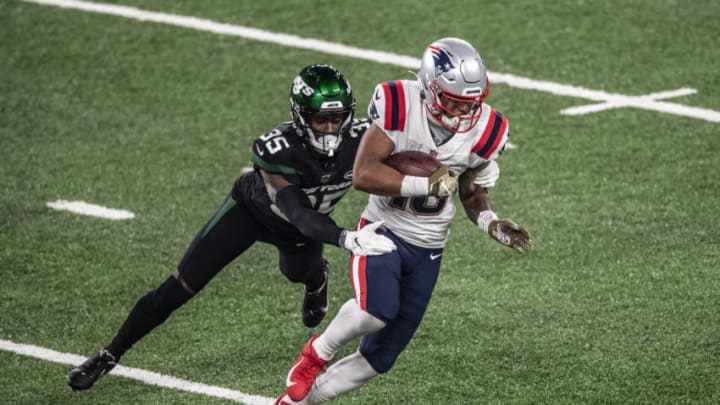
(302, 168)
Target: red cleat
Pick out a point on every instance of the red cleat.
(285, 400)
(304, 371)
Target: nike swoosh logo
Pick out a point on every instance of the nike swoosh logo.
(377, 95)
(435, 256)
(289, 383)
(260, 152)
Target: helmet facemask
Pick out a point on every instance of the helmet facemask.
(444, 104)
(321, 95)
(325, 143)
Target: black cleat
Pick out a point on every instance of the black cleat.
(315, 303)
(84, 376)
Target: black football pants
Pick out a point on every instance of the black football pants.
(231, 231)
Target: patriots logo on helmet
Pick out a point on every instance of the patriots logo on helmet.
(442, 60)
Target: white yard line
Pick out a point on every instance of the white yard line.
(92, 210)
(147, 377)
(617, 102)
(607, 100)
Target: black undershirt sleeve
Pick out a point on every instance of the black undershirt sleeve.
(294, 203)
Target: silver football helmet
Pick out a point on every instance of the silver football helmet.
(453, 74)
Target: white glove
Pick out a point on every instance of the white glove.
(366, 242)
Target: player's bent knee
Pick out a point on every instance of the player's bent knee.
(381, 360)
(387, 311)
(304, 274)
(366, 321)
(294, 277)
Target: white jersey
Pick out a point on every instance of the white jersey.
(397, 108)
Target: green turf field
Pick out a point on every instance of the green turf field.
(619, 301)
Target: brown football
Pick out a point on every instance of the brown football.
(413, 163)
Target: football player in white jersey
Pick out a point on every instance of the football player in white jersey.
(442, 113)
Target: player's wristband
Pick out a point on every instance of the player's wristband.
(414, 186)
(485, 218)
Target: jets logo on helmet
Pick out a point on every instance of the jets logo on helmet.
(300, 86)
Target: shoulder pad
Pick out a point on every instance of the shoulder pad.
(359, 126)
(387, 106)
(493, 136)
(274, 151)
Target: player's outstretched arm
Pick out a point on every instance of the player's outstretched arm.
(296, 206)
(476, 201)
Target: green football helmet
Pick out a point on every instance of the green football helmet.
(323, 94)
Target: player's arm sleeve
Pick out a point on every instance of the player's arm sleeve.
(385, 111)
(487, 175)
(488, 149)
(294, 203)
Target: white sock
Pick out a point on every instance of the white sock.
(347, 374)
(350, 322)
